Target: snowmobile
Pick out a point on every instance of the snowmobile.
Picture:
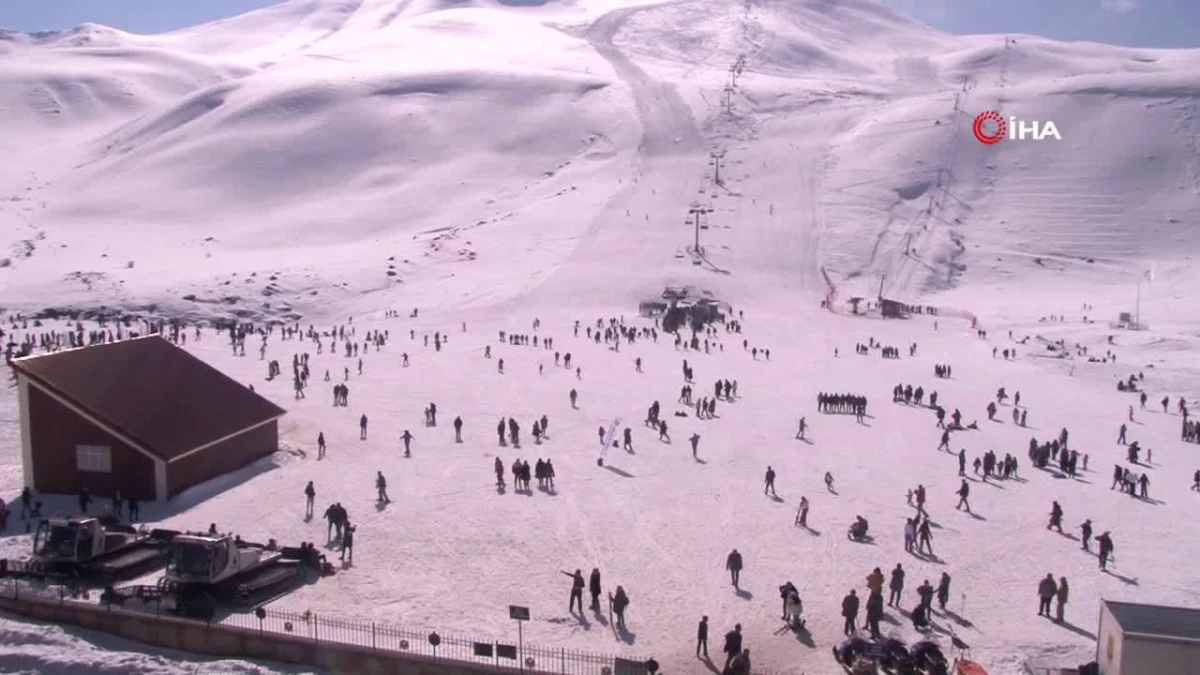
(927, 657)
(93, 551)
(852, 655)
(209, 572)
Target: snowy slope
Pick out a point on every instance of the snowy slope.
(485, 163)
(283, 141)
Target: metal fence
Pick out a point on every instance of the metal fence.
(321, 628)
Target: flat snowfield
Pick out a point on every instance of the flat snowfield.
(490, 164)
(660, 523)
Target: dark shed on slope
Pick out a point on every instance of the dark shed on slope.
(139, 416)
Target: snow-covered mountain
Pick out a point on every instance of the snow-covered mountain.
(290, 140)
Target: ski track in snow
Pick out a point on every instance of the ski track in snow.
(492, 164)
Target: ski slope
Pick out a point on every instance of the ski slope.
(489, 164)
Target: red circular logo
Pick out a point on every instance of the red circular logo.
(996, 135)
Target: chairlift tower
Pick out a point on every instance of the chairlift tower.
(716, 156)
(694, 215)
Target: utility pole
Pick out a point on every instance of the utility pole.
(729, 99)
(695, 212)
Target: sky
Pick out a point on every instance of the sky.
(1137, 23)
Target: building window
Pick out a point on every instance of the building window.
(96, 458)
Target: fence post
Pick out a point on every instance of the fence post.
(373, 648)
(314, 630)
(563, 660)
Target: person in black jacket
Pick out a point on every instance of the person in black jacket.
(594, 588)
(577, 585)
(702, 637)
(733, 644)
(850, 612)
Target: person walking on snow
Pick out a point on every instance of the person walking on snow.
(407, 437)
(964, 491)
(733, 644)
(310, 495)
(769, 481)
(362, 428)
(321, 445)
(1105, 544)
(733, 563)
(702, 638)
(803, 426)
(381, 489)
(458, 430)
(694, 439)
(1085, 533)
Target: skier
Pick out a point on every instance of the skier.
(829, 481)
(769, 481)
(802, 513)
(407, 437)
(733, 563)
(803, 426)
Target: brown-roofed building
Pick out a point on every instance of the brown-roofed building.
(141, 416)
